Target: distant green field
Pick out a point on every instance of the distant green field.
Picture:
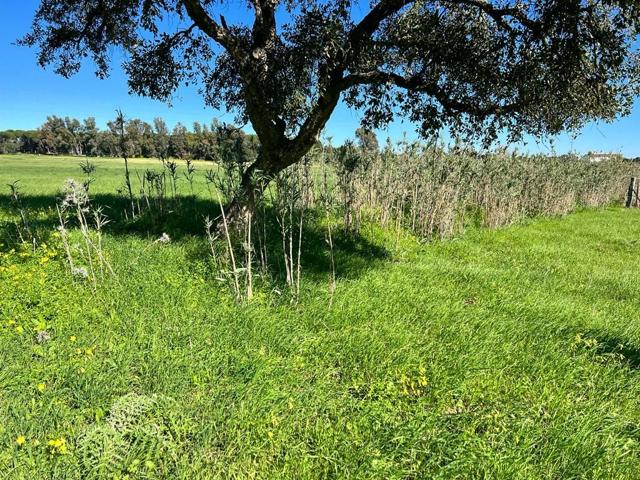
(507, 354)
(42, 174)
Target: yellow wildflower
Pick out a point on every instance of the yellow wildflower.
(41, 386)
(57, 445)
(20, 440)
(72, 338)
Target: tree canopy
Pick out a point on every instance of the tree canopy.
(477, 67)
(68, 136)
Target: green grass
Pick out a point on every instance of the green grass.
(504, 354)
(44, 175)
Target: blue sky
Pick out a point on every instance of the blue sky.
(28, 94)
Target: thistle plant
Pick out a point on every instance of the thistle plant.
(23, 228)
(190, 173)
(120, 125)
(234, 273)
(153, 189)
(88, 169)
(172, 169)
(327, 200)
(212, 238)
(75, 205)
(210, 180)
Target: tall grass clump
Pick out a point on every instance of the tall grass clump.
(432, 192)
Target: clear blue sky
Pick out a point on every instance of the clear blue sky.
(28, 94)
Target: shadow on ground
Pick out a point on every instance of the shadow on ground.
(608, 348)
(611, 345)
(184, 218)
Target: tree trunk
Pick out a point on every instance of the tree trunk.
(279, 152)
(253, 183)
(245, 200)
(257, 177)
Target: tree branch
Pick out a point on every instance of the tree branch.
(264, 122)
(318, 117)
(371, 22)
(170, 41)
(431, 88)
(217, 32)
(499, 14)
(326, 103)
(264, 26)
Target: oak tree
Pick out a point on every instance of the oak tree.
(477, 67)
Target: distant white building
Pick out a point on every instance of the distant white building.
(597, 157)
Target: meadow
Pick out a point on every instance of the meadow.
(509, 353)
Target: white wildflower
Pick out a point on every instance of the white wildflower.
(80, 272)
(164, 238)
(43, 336)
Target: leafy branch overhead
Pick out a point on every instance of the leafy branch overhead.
(536, 66)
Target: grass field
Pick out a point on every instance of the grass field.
(42, 174)
(504, 354)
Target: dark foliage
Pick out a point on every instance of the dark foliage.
(68, 136)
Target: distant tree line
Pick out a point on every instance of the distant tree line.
(69, 136)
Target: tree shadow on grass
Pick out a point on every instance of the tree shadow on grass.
(609, 348)
(627, 353)
(353, 253)
(184, 217)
